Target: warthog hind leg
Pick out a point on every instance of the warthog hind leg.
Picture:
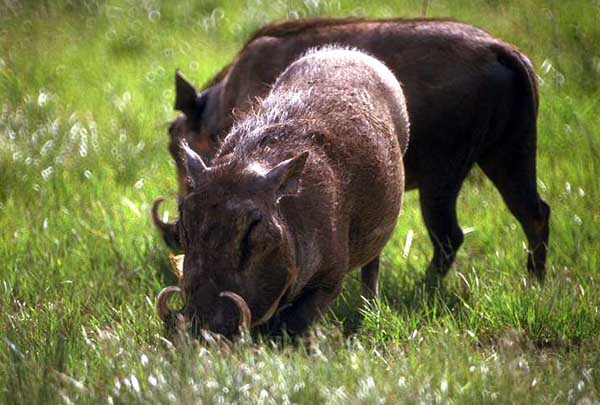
(515, 178)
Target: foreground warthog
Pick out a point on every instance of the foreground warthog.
(472, 99)
(305, 188)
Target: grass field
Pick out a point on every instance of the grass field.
(86, 92)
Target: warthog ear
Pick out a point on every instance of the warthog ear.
(194, 165)
(284, 178)
(186, 96)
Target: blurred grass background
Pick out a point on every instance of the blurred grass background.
(86, 92)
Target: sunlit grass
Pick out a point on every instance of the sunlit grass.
(86, 90)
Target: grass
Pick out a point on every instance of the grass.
(86, 90)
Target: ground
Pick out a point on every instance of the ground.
(86, 94)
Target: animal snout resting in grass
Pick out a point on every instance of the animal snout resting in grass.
(471, 98)
(307, 186)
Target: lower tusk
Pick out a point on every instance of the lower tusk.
(245, 314)
(162, 308)
(291, 279)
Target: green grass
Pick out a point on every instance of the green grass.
(86, 90)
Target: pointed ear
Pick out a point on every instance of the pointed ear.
(284, 178)
(186, 96)
(194, 165)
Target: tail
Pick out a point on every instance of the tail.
(519, 64)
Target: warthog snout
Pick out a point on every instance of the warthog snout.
(166, 314)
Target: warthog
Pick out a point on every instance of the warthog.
(305, 187)
(472, 99)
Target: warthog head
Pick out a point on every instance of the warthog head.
(200, 112)
(239, 254)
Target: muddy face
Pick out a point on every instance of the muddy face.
(235, 240)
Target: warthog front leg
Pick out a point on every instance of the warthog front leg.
(369, 277)
(439, 215)
(298, 316)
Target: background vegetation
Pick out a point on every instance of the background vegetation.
(86, 90)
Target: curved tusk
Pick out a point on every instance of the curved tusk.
(245, 314)
(162, 299)
(291, 279)
(167, 230)
(163, 226)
